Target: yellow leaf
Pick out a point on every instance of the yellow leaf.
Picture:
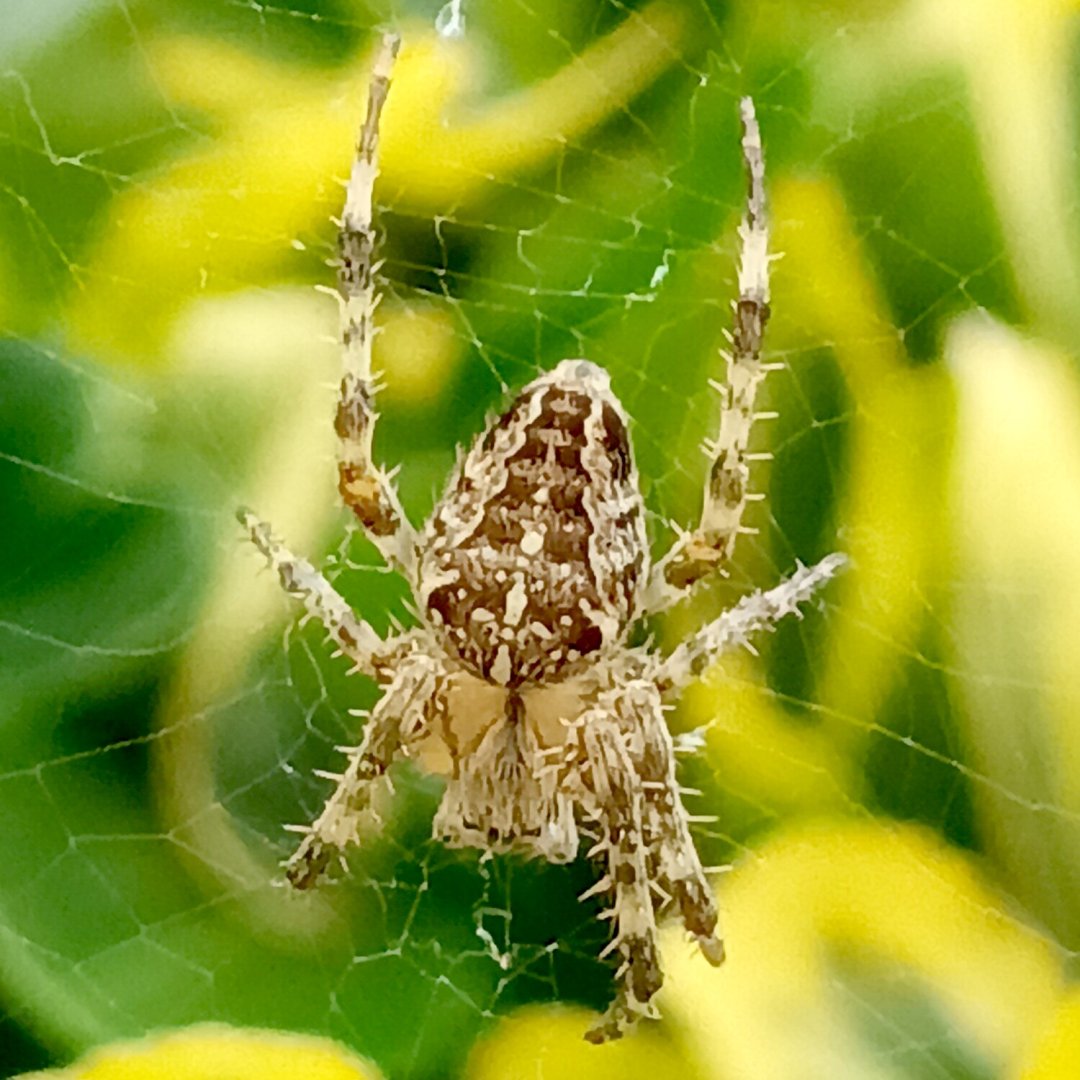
(824, 900)
(762, 753)
(432, 164)
(1057, 1053)
(231, 210)
(547, 1043)
(1017, 56)
(1015, 484)
(891, 509)
(218, 1052)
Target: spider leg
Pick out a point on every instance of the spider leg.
(697, 554)
(366, 489)
(400, 713)
(620, 813)
(354, 637)
(653, 866)
(675, 871)
(753, 613)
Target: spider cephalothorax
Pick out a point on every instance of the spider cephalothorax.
(520, 686)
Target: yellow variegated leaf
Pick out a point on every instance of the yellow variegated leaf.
(546, 1043)
(229, 211)
(1018, 59)
(1056, 1055)
(218, 1052)
(836, 932)
(891, 506)
(1016, 492)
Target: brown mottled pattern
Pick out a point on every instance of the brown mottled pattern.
(542, 529)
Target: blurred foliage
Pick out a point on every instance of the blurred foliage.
(213, 1051)
(896, 778)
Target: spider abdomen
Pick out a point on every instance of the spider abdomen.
(536, 552)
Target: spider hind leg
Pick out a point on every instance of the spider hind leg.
(652, 866)
(400, 712)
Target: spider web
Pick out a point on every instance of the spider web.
(564, 180)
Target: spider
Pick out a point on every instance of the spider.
(521, 686)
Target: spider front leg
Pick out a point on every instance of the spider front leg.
(365, 488)
(697, 554)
